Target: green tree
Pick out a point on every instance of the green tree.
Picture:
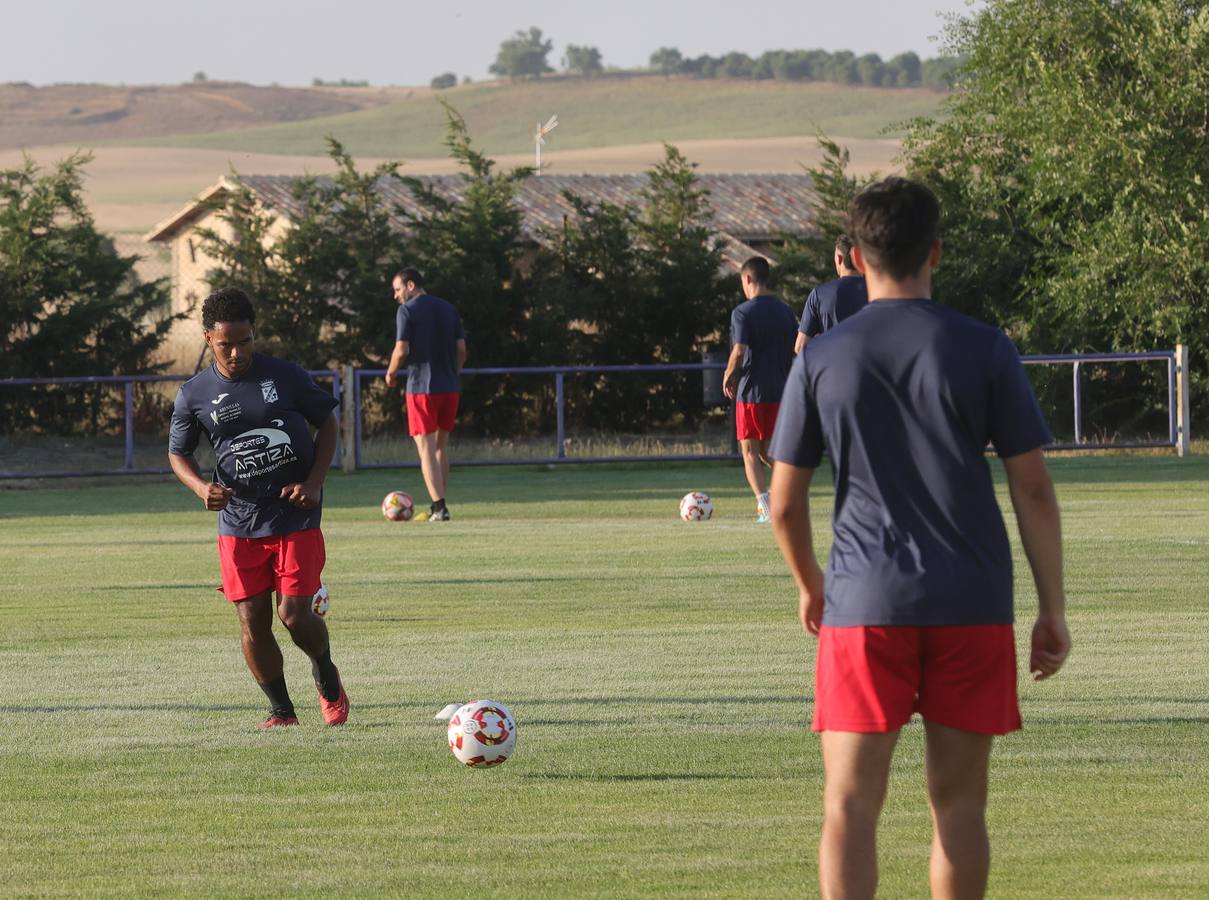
(523, 56)
(321, 284)
(805, 262)
(584, 61)
(471, 252)
(444, 81)
(667, 60)
(1072, 167)
(69, 305)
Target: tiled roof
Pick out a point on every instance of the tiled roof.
(746, 208)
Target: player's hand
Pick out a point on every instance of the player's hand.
(391, 379)
(301, 494)
(810, 601)
(728, 388)
(216, 496)
(1050, 646)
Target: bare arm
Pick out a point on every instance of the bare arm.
(790, 501)
(461, 353)
(1039, 521)
(397, 357)
(730, 378)
(185, 468)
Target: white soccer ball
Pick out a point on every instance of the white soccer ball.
(321, 601)
(398, 506)
(696, 506)
(482, 733)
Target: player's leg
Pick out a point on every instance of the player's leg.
(753, 466)
(958, 762)
(430, 465)
(443, 459)
(299, 565)
(263, 656)
(856, 769)
(247, 580)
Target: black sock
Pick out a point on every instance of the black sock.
(326, 676)
(279, 697)
(439, 505)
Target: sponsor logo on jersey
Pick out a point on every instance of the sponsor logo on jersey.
(262, 450)
(219, 399)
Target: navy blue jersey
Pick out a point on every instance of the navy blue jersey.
(831, 303)
(432, 328)
(765, 325)
(260, 428)
(905, 398)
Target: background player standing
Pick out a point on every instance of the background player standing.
(915, 612)
(761, 332)
(257, 412)
(430, 339)
(833, 301)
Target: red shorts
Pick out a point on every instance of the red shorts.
(427, 413)
(288, 563)
(755, 421)
(871, 679)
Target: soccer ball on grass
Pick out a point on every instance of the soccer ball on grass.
(696, 506)
(398, 506)
(482, 733)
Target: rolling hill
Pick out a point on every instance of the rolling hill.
(600, 112)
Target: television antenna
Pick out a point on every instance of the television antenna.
(539, 138)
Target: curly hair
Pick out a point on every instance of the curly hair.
(227, 305)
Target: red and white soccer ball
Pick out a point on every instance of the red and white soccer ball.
(482, 733)
(398, 506)
(321, 601)
(696, 506)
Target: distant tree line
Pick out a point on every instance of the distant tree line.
(840, 67)
(339, 82)
(526, 55)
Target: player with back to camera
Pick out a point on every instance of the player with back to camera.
(257, 413)
(833, 301)
(430, 339)
(915, 611)
(761, 333)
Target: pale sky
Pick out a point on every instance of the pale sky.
(407, 43)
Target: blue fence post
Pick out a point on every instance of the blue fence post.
(1173, 424)
(129, 425)
(357, 421)
(1078, 367)
(336, 392)
(561, 416)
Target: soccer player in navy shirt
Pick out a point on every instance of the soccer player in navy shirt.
(257, 413)
(915, 611)
(430, 339)
(761, 333)
(834, 301)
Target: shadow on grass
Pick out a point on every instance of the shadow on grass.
(653, 776)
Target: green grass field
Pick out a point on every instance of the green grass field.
(656, 669)
(601, 112)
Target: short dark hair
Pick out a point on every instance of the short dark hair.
(227, 305)
(895, 223)
(757, 269)
(412, 274)
(843, 246)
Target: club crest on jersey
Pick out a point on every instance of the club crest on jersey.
(269, 390)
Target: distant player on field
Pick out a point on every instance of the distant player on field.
(761, 334)
(832, 302)
(915, 612)
(429, 338)
(257, 413)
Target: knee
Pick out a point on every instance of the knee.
(853, 808)
(293, 612)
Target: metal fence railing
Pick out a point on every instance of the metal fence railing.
(349, 386)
